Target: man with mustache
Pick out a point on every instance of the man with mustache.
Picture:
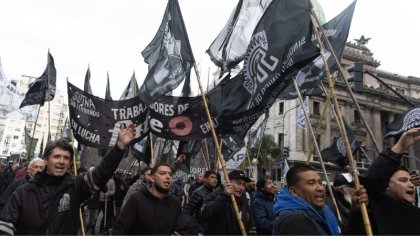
(49, 203)
(152, 210)
(300, 208)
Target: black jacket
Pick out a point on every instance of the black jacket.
(12, 187)
(219, 215)
(196, 200)
(34, 210)
(145, 214)
(387, 216)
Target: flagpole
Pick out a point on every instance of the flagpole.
(33, 133)
(152, 162)
(48, 96)
(219, 154)
(207, 152)
(82, 225)
(321, 161)
(315, 22)
(352, 163)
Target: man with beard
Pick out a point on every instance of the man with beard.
(262, 206)
(217, 211)
(152, 210)
(49, 203)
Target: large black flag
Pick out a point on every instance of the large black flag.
(229, 48)
(337, 31)
(43, 88)
(169, 56)
(96, 122)
(280, 46)
(337, 152)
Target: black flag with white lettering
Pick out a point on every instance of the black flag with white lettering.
(43, 88)
(169, 56)
(96, 122)
(337, 31)
(141, 150)
(280, 46)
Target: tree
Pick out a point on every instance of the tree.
(266, 153)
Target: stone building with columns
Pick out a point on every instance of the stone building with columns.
(378, 104)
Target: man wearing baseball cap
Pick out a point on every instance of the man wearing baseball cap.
(218, 212)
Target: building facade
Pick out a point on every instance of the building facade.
(379, 107)
(12, 130)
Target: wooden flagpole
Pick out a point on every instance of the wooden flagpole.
(48, 96)
(352, 163)
(317, 149)
(33, 134)
(219, 154)
(316, 24)
(207, 153)
(152, 160)
(82, 225)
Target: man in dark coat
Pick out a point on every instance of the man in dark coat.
(35, 166)
(195, 202)
(152, 210)
(262, 206)
(391, 193)
(218, 213)
(49, 204)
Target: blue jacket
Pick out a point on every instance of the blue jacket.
(262, 213)
(321, 222)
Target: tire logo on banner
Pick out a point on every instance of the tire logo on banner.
(180, 125)
(256, 63)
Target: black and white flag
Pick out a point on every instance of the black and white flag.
(256, 136)
(337, 153)
(337, 31)
(108, 89)
(96, 122)
(169, 56)
(43, 88)
(10, 99)
(229, 48)
(280, 46)
(87, 87)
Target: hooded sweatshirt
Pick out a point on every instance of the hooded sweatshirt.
(292, 214)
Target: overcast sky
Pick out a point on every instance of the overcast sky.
(110, 35)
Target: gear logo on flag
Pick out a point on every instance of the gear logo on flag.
(256, 65)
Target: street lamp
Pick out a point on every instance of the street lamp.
(284, 115)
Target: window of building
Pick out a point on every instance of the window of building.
(281, 108)
(15, 137)
(315, 108)
(356, 116)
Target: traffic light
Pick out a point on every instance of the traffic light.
(357, 76)
(286, 151)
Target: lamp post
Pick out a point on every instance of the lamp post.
(284, 115)
(254, 166)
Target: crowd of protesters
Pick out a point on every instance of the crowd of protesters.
(45, 197)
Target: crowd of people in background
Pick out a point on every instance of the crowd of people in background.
(44, 197)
